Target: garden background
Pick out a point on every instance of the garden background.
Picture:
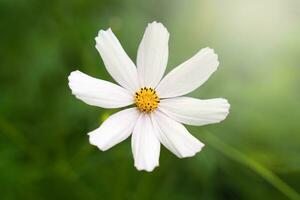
(44, 148)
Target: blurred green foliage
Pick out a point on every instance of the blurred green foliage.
(44, 149)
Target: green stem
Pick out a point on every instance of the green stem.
(237, 156)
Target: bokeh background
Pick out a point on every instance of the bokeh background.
(44, 149)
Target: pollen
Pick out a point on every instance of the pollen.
(146, 99)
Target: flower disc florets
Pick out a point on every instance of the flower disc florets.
(146, 99)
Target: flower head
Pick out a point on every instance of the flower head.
(159, 108)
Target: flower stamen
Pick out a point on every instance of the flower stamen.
(146, 99)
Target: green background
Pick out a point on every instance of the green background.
(44, 149)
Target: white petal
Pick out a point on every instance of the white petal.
(98, 92)
(193, 111)
(115, 129)
(175, 137)
(116, 61)
(145, 145)
(189, 75)
(152, 56)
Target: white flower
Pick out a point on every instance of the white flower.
(160, 110)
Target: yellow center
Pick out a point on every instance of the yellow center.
(146, 99)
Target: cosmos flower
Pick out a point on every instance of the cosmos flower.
(159, 108)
